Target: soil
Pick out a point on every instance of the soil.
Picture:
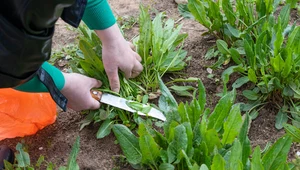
(55, 141)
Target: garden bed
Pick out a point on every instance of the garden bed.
(55, 141)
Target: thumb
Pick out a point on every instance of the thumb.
(113, 78)
(95, 104)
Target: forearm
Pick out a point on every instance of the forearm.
(35, 85)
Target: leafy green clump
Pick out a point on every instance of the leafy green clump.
(195, 138)
(160, 46)
(264, 47)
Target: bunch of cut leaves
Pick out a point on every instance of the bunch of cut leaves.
(23, 161)
(160, 46)
(195, 138)
(272, 62)
(89, 62)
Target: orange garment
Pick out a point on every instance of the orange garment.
(24, 113)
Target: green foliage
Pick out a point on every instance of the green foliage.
(160, 46)
(201, 144)
(264, 46)
(23, 160)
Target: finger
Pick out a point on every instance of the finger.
(138, 68)
(131, 46)
(94, 104)
(113, 78)
(96, 83)
(138, 57)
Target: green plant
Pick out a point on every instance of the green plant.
(195, 138)
(264, 47)
(23, 160)
(160, 46)
(160, 55)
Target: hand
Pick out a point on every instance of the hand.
(117, 54)
(77, 91)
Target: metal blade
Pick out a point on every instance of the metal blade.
(121, 103)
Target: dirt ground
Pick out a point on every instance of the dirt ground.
(55, 141)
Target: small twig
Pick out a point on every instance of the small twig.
(180, 19)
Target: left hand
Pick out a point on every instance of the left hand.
(117, 54)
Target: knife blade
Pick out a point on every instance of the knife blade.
(122, 104)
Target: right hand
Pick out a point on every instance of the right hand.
(77, 91)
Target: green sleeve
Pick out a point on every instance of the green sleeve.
(35, 85)
(98, 15)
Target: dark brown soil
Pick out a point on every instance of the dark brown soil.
(55, 141)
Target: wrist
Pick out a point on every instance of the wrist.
(110, 35)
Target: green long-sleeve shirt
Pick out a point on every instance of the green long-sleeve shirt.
(97, 16)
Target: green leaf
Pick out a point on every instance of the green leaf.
(294, 39)
(145, 37)
(129, 143)
(228, 10)
(72, 164)
(285, 15)
(288, 64)
(104, 129)
(199, 12)
(244, 140)
(240, 82)
(221, 111)
(90, 55)
(40, 161)
(251, 95)
(277, 154)
(189, 133)
(232, 125)
(223, 47)
(256, 163)
(166, 166)
(178, 143)
(182, 90)
(218, 163)
(184, 11)
(235, 32)
(167, 44)
(8, 165)
(281, 119)
(166, 102)
(283, 166)
(235, 55)
(201, 95)
(235, 160)
(292, 131)
(149, 148)
(278, 39)
(250, 54)
(252, 76)
(277, 63)
(212, 140)
(22, 157)
(203, 167)
(157, 38)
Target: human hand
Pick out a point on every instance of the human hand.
(117, 54)
(77, 91)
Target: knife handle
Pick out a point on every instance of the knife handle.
(96, 94)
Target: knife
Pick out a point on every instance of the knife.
(122, 104)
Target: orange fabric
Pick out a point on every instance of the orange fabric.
(24, 113)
